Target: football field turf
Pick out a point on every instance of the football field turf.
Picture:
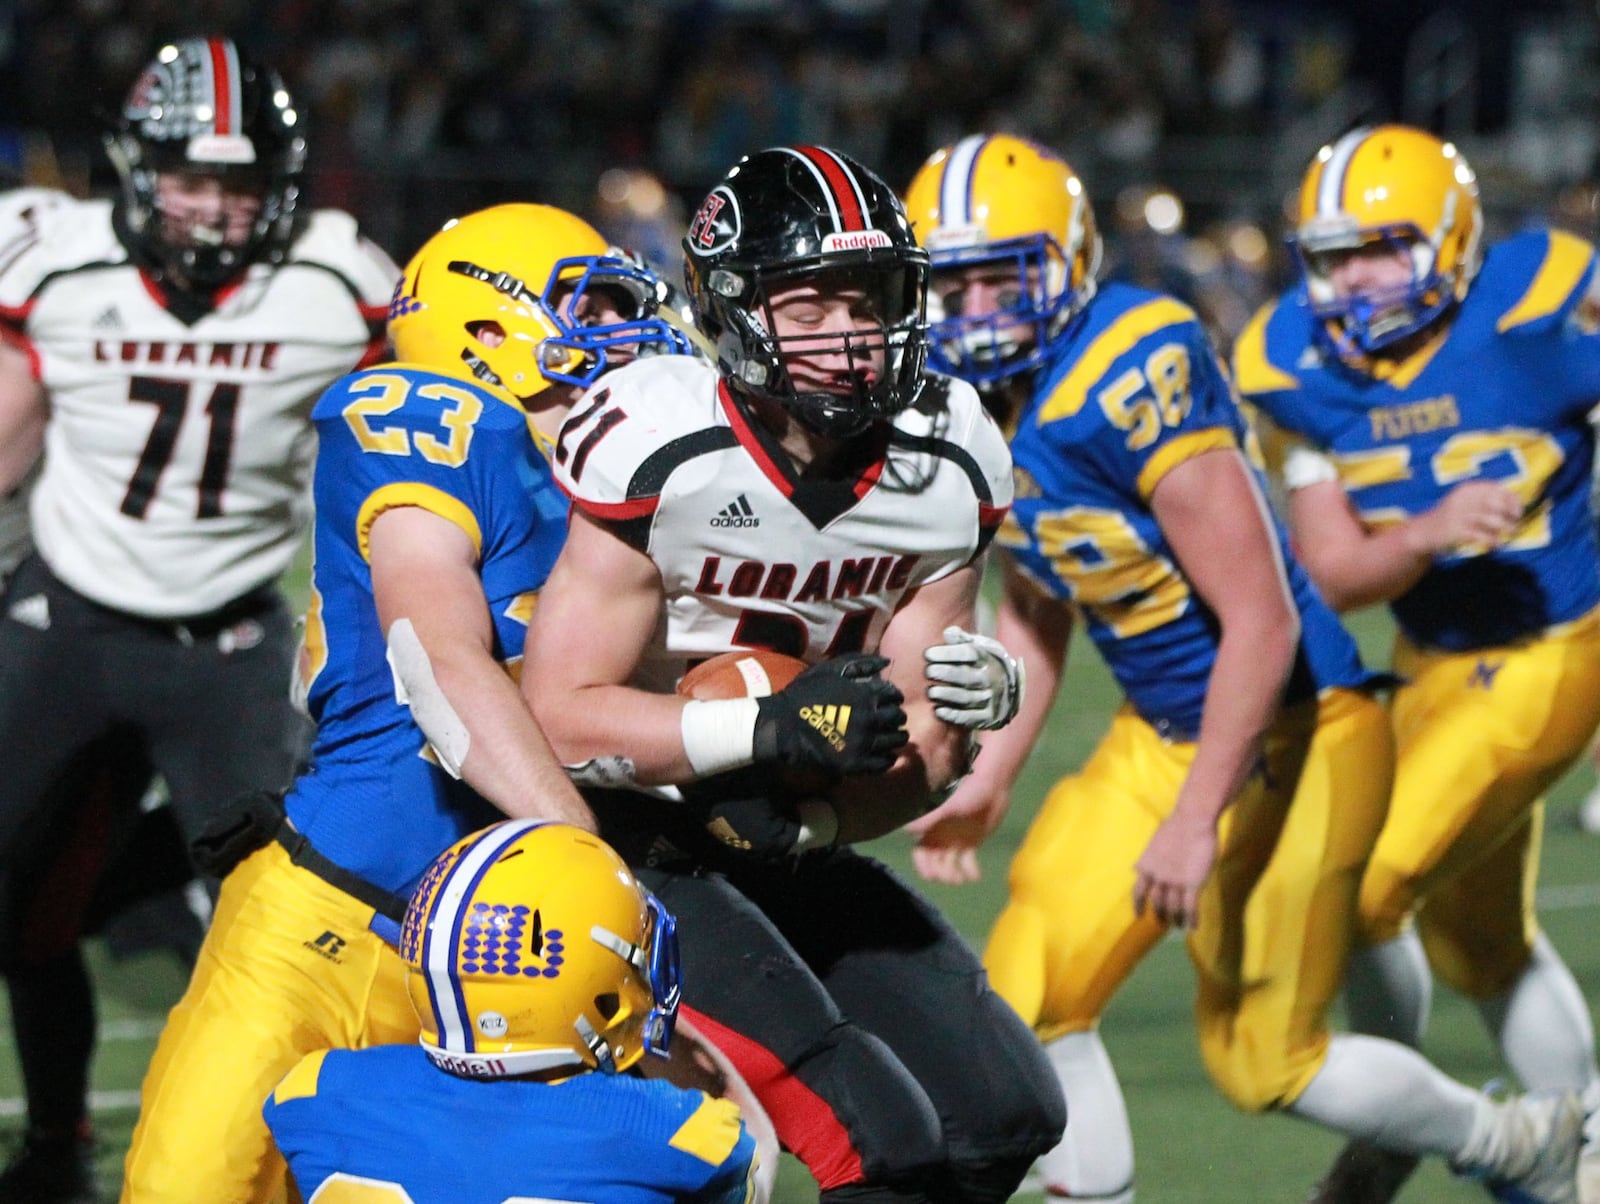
(1191, 1147)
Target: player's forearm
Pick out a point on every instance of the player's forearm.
(1003, 753)
(1353, 564)
(1243, 697)
(498, 748)
(23, 414)
(1369, 570)
(594, 722)
(698, 1065)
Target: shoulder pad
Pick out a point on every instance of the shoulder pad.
(1253, 370)
(627, 418)
(1536, 278)
(71, 234)
(24, 210)
(960, 416)
(1140, 315)
(332, 240)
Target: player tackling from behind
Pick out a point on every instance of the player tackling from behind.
(436, 523)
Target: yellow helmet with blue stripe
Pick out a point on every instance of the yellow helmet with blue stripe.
(1401, 186)
(998, 200)
(533, 950)
(498, 296)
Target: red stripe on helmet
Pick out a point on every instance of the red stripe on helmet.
(841, 183)
(222, 86)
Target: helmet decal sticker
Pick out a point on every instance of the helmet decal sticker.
(717, 225)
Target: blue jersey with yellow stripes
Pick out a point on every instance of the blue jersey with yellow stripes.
(1502, 393)
(375, 799)
(1128, 392)
(385, 1124)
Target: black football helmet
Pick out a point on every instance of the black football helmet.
(202, 106)
(793, 212)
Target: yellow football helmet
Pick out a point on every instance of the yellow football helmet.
(489, 297)
(997, 200)
(533, 948)
(1395, 185)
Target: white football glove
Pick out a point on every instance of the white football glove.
(975, 682)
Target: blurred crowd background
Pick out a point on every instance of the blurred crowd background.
(1191, 120)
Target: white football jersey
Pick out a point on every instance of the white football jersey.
(178, 455)
(20, 211)
(749, 554)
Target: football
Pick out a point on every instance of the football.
(750, 673)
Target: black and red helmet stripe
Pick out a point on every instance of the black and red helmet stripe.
(224, 84)
(841, 190)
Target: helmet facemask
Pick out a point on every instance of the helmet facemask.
(655, 962)
(985, 349)
(601, 302)
(878, 370)
(526, 298)
(1364, 322)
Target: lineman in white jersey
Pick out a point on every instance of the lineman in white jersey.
(816, 494)
(171, 346)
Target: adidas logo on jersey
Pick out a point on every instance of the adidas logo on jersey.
(110, 319)
(736, 514)
(33, 611)
(831, 723)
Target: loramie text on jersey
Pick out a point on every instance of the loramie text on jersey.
(824, 580)
(209, 355)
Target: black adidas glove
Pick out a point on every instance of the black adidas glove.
(839, 717)
(748, 812)
(770, 829)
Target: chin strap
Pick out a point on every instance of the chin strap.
(596, 1044)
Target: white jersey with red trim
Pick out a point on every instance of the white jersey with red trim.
(751, 555)
(20, 211)
(179, 449)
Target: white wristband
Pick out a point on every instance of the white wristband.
(1304, 466)
(719, 736)
(819, 824)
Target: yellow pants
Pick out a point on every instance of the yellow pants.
(289, 966)
(1277, 917)
(1480, 736)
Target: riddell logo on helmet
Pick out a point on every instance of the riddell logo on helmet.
(941, 237)
(221, 148)
(856, 240)
(483, 1068)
